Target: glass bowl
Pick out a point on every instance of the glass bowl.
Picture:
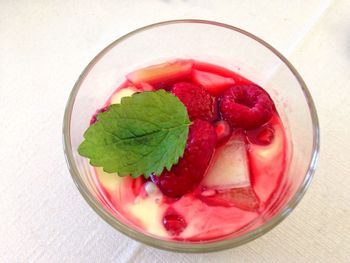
(215, 43)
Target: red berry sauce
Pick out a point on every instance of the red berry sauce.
(235, 158)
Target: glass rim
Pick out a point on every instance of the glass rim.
(182, 246)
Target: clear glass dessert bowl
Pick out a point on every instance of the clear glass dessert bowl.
(216, 43)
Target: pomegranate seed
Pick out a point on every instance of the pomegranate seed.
(173, 222)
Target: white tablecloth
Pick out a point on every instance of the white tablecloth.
(44, 46)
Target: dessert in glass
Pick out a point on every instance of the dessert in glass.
(239, 162)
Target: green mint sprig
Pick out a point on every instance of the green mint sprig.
(144, 134)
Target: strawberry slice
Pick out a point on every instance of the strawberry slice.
(213, 83)
(189, 171)
(168, 72)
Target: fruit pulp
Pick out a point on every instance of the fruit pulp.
(240, 183)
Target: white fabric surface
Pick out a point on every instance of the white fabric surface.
(44, 46)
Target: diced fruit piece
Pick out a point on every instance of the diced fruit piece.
(213, 83)
(199, 103)
(166, 72)
(261, 136)
(268, 161)
(246, 106)
(229, 167)
(173, 222)
(146, 87)
(189, 171)
(94, 117)
(224, 72)
(137, 184)
(223, 131)
(243, 198)
(125, 92)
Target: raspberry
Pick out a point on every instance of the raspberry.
(189, 171)
(199, 103)
(246, 106)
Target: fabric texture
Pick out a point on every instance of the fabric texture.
(44, 47)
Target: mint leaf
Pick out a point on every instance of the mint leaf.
(143, 134)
